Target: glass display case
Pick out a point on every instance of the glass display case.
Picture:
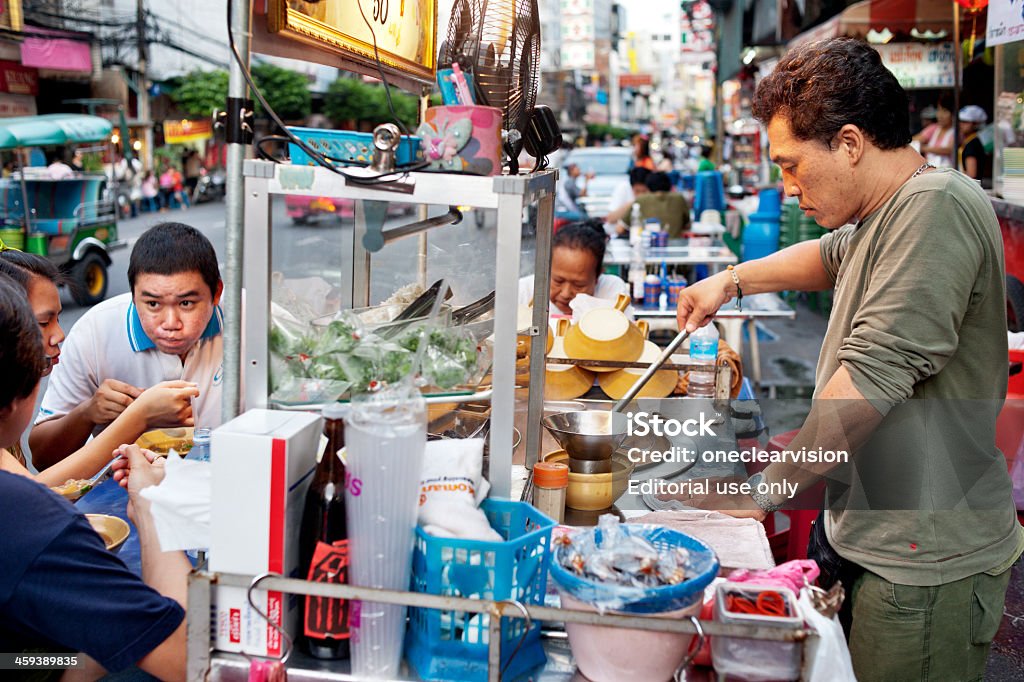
(1008, 120)
(317, 243)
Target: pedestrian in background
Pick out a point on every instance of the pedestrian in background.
(150, 192)
(936, 140)
(193, 166)
(166, 187)
(642, 153)
(973, 159)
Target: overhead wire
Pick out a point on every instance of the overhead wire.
(320, 158)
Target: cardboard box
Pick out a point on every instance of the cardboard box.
(262, 463)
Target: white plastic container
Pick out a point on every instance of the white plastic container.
(605, 654)
(264, 463)
(755, 659)
(385, 438)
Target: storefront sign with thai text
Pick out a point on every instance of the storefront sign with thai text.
(919, 65)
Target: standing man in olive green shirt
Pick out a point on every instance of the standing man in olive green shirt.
(912, 372)
(663, 202)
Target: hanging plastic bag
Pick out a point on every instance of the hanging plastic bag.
(827, 657)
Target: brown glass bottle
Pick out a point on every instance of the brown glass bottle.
(323, 545)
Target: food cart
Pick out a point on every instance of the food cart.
(258, 258)
(263, 266)
(70, 220)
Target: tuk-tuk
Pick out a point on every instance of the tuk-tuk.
(72, 221)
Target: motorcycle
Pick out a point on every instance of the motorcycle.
(209, 188)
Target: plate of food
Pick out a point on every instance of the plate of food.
(162, 441)
(72, 489)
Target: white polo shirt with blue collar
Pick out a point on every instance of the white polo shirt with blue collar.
(108, 342)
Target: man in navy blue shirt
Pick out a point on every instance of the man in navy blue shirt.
(60, 589)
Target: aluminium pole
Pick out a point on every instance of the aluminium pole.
(234, 236)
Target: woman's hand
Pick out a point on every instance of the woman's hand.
(134, 470)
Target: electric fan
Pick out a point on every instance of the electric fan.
(498, 41)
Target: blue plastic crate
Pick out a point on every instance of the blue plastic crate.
(452, 645)
(348, 146)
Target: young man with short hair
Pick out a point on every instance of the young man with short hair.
(167, 327)
(60, 589)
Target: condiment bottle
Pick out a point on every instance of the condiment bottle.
(550, 481)
(323, 544)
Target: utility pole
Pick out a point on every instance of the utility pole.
(614, 94)
(143, 91)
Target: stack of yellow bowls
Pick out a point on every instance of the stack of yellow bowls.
(564, 382)
(605, 334)
(616, 384)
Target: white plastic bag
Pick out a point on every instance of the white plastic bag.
(827, 657)
(449, 489)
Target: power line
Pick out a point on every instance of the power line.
(166, 42)
(195, 29)
(75, 19)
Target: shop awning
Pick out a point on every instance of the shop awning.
(898, 17)
(52, 130)
(57, 50)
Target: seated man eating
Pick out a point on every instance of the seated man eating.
(167, 328)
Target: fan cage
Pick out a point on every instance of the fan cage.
(498, 41)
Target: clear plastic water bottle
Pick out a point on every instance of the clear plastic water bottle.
(703, 352)
(200, 451)
(637, 264)
(636, 226)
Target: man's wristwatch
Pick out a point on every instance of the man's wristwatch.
(762, 500)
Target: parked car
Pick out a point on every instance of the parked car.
(303, 209)
(610, 166)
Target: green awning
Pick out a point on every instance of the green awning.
(51, 130)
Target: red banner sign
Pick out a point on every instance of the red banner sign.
(17, 79)
(635, 80)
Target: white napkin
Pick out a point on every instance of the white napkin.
(449, 489)
(584, 303)
(180, 504)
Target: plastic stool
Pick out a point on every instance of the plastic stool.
(709, 192)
